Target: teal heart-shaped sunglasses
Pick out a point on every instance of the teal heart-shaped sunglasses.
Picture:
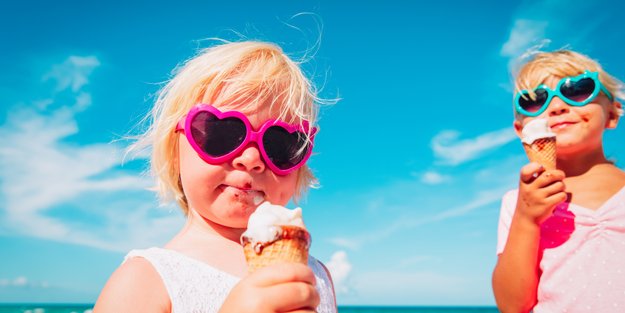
(574, 90)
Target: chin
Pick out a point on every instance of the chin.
(569, 141)
(566, 150)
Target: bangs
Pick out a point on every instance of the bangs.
(535, 74)
(265, 80)
(562, 63)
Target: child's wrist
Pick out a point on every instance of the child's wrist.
(526, 223)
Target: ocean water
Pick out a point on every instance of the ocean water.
(417, 309)
(84, 308)
(46, 308)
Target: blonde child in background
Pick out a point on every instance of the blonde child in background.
(561, 242)
(200, 158)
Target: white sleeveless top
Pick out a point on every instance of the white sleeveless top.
(196, 287)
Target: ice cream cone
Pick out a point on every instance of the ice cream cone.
(542, 151)
(291, 246)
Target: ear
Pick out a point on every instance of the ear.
(614, 113)
(518, 127)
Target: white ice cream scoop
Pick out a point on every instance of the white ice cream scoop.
(264, 224)
(535, 129)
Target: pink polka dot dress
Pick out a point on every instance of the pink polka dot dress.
(582, 256)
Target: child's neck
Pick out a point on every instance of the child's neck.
(211, 243)
(198, 225)
(579, 164)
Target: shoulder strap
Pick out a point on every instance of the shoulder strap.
(324, 287)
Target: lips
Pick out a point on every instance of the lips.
(245, 193)
(560, 125)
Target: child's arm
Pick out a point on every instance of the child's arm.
(516, 275)
(134, 287)
(281, 287)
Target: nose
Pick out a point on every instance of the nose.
(557, 107)
(249, 160)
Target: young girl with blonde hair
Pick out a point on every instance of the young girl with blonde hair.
(234, 127)
(561, 240)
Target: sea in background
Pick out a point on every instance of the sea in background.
(87, 308)
(416, 309)
(46, 308)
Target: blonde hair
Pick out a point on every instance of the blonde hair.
(562, 63)
(244, 76)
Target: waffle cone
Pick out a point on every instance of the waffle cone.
(291, 246)
(542, 151)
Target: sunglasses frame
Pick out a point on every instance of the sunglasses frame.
(551, 93)
(251, 135)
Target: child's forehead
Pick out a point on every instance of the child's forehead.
(260, 111)
(268, 103)
(545, 76)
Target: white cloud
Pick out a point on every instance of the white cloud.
(339, 267)
(410, 261)
(451, 151)
(345, 243)
(73, 72)
(434, 178)
(5, 282)
(537, 22)
(46, 172)
(523, 35)
(21, 281)
(479, 200)
(83, 100)
(42, 104)
(483, 198)
(42, 171)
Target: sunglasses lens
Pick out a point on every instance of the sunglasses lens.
(533, 106)
(284, 149)
(578, 91)
(217, 137)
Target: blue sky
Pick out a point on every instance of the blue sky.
(413, 160)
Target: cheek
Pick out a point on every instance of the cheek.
(282, 189)
(188, 162)
(586, 117)
(197, 176)
(525, 120)
(593, 116)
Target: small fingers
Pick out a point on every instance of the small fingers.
(293, 297)
(557, 198)
(530, 171)
(553, 188)
(282, 273)
(549, 177)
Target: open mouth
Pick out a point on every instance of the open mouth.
(250, 196)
